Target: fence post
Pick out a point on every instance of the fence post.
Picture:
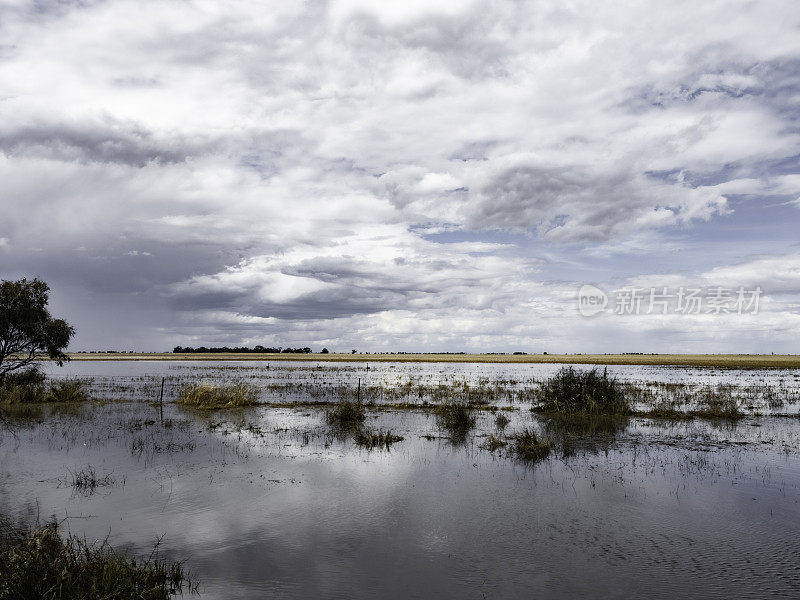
(161, 400)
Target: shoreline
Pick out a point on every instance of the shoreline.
(731, 361)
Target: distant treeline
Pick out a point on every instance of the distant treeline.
(243, 350)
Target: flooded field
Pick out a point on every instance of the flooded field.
(275, 501)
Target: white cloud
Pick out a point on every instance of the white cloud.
(442, 171)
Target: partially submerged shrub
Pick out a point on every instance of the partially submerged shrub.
(572, 392)
(43, 565)
(529, 446)
(376, 439)
(347, 415)
(208, 396)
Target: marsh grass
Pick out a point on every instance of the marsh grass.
(574, 392)
(43, 565)
(376, 439)
(347, 415)
(493, 443)
(29, 388)
(212, 397)
(530, 447)
(719, 407)
(457, 418)
(501, 421)
(71, 390)
(86, 480)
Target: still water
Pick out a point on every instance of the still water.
(267, 502)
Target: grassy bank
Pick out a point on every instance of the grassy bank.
(43, 564)
(740, 361)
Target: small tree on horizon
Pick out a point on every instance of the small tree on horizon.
(27, 330)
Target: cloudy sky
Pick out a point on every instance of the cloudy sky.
(407, 175)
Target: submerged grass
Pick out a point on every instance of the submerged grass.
(210, 397)
(43, 565)
(376, 439)
(582, 392)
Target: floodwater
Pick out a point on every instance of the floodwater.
(268, 502)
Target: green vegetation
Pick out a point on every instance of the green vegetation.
(42, 565)
(347, 415)
(376, 439)
(212, 397)
(574, 392)
(530, 447)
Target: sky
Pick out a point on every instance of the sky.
(406, 176)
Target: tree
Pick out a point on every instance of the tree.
(27, 331)
(324, 351)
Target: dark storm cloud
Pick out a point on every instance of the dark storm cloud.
(101, 142)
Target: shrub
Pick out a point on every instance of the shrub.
(572, 392)
(43, 565)
(211, 397)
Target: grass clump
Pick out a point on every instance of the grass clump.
(29, 388)
(501, 421)
(86, 480)
(211, 397)
(530, 447)
(376, 439)
(582, 392)
(493, 443)
(455, 417)
(347, 415)
(43, 565)
(71, 390)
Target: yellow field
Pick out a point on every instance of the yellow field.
(749, 361)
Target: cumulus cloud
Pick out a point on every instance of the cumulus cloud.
(427, 175)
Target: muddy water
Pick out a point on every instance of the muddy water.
(268, 502)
